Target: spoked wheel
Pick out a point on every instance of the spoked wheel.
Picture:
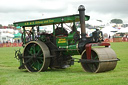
(105, 58)
(35, 56)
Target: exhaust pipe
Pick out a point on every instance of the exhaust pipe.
(81, 10)
(83, 39)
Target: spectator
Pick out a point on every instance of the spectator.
(18, 41)
(6, 41)
(109, 37)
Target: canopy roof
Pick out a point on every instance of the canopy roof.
(50, 21)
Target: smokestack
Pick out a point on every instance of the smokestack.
(81, 10)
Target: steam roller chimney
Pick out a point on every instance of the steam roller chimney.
(81, 10)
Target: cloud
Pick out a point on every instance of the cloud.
(19, 10)
(105, 9)
(30, 6)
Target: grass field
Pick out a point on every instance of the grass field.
(11, 75)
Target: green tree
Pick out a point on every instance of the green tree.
(99, 20)
(10, 25)
(0, 25)
(117, 21)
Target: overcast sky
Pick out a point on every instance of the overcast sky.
(21, 10)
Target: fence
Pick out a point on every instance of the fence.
(123, 39)
(10, 44)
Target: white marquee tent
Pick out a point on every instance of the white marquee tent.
(123, 30)
(6, 35)
(109, 30)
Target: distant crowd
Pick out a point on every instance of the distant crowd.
(16, 43)
(117, 38)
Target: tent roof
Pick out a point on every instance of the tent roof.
(109, 29)
(123, 30)
(18, 34)
(7, 35)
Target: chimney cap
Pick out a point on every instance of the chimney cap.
(81, 8)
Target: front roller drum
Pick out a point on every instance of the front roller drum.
(104, 60)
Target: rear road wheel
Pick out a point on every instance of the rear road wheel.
(35, 56)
